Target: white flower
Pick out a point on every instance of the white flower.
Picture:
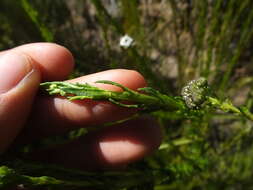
(126, 41)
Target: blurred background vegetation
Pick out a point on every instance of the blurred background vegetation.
(175, 41)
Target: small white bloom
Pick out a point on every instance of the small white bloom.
(126, 41)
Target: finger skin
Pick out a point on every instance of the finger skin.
(55, 62)
(43, 60)
(108, 148)
(15, 107)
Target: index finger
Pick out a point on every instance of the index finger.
(55, 62)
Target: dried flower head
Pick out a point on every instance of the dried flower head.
(194, 93)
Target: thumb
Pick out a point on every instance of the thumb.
(19, 81)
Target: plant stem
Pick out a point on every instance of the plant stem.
(227, 106)
(9, 177)
(150, 100)
(195, 95)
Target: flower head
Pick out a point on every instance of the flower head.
(126, 41)
(194, 93)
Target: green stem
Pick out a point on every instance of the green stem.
(150, 100)
(99, 180)
(194, 95)
(227, 106)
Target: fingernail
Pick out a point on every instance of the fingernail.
(13, 68)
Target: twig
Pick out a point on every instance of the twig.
(195, 96)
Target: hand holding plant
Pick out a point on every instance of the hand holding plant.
(26, 116)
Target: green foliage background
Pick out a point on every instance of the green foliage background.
(175, 41)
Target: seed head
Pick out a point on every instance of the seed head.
(194, 93)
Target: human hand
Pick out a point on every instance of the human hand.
(21, 71)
